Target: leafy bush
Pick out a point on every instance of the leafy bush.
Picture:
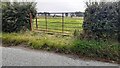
(16, 15)
(101, 20)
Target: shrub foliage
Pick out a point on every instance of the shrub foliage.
(102, 20)
(16, 15)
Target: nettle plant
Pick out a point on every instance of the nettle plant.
(102, 20)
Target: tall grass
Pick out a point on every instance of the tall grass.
(106, 50)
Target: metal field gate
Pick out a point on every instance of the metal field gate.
(57, 22)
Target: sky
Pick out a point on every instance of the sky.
(60, 5)
(56, 5)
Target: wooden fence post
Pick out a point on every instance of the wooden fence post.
(62, 22)
(31, 21)
(46, 20)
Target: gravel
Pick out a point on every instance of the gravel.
(12, 56)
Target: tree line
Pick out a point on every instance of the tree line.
(66, 14)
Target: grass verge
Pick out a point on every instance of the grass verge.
(94, 49)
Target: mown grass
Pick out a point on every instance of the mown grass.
(57, 43)
(55, 24)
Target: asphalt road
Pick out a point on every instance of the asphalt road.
(0, 54)
(12, 56)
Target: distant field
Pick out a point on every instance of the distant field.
(55, 24)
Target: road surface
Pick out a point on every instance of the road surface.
(12, 56)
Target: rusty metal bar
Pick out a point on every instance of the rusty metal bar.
(36, 23)
(46, 20)
(62, 22)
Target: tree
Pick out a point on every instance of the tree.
(72, 14)
(66, 14)
(79, 14)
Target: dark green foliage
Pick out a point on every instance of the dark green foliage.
(119, 21)
(16, 16)
(101, 20)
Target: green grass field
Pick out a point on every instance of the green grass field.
(55, 24)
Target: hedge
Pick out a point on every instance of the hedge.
(16, 15)
(102, 20)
